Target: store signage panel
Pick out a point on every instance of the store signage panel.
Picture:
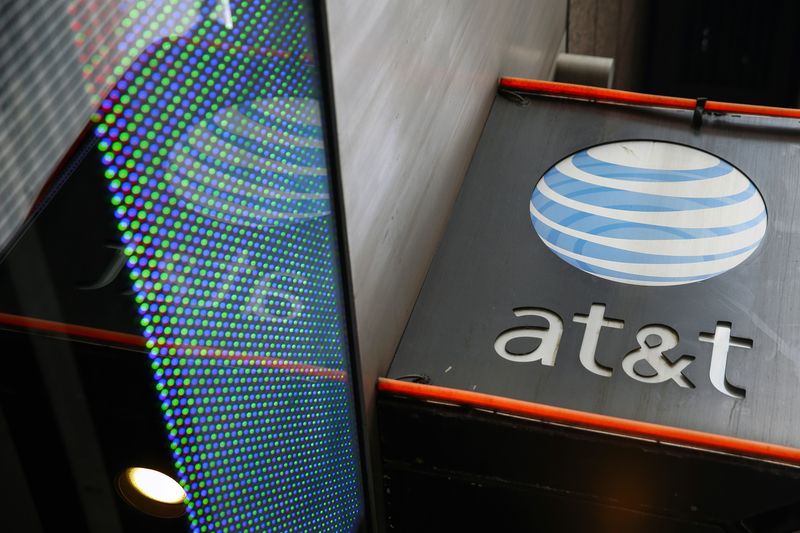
(615, 260)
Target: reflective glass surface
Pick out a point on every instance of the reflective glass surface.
(170, 283)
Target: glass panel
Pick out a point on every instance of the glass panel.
(182, 255)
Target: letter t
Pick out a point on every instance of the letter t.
(721, 341)
(595, 321)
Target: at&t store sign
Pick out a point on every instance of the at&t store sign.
(625, 264)
(643, 213)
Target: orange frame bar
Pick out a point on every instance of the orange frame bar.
(135, 341)
(593, 421)
(72, 330)
(601, 94)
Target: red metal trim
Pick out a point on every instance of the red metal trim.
(136, 341)
(581, 419)
(72, 330)
(601, 94)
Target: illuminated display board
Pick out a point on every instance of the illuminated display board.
(214, 154)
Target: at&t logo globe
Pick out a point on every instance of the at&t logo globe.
(648, 213)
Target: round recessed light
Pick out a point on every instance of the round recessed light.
(152, 492)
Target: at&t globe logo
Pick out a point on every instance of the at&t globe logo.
(648, 213)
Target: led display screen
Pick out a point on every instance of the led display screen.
(207, 119)
(217, 166)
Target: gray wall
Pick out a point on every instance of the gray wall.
(413, 84)
(611, 28)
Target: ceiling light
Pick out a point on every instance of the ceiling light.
(152, 492)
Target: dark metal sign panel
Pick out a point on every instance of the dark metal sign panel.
(614, 260)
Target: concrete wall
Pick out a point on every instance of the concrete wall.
(413, 84)
(611, 28)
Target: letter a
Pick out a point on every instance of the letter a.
(550, 336)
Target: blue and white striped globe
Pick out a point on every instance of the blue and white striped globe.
(648, 213)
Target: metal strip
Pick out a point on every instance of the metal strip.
(593, 421)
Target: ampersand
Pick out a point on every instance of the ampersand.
(652, 352)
